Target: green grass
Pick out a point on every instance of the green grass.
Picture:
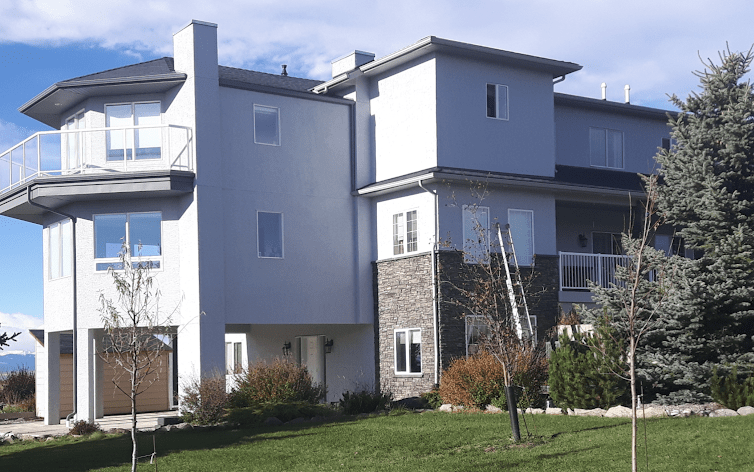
(414, 442)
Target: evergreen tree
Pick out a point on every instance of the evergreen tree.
(708, 192)
(5, 337)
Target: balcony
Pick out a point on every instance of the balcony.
(96, 151)
(577, 269)
(56, 168)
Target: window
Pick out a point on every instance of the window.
(270, 234)
(233, 358)
(497, 101)
(607, 243)
(522, 232)
(476, 329)
(129, 143)
(73, 146)
(408, 351)
(476, 240)
(405, 233)
(266, 125)
(673, 245)
(60, 249)
(142, 232)
(606, 148)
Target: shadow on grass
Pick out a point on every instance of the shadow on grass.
(594, 428)
(115, 450)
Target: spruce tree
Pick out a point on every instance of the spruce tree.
(708, 193)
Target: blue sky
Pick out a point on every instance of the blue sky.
(651, 45)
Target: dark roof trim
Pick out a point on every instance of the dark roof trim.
(237, 84)
(574, 101)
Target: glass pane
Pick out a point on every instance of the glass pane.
(615, 149)
(266, 129)
(51, 150)
(30, 162)
(66, 248)
(412, 231)
(491, 101)
(597, 147)
(415, 355)
(521, 222)
(109, 235)
(502, 102)
(4, 170)
(270, 234)
(144, 234)
(400, 351)
(148, 141)
(119, 142)
(102, 266)
(54, 251)
(398, 234)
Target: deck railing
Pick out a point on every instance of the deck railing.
(93, 151)
(577, 269)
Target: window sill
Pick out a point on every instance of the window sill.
(409, 374)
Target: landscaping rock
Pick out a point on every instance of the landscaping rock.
(272, 421)
(554, 411)
(182, 426)
(593, 412)
(493, 409)
(535, 411)
(723, 412)
(446, 407)
(652, 412)
(618, 412)
(299, 420)
(746, 410)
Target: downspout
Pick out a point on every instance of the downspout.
(435, 311)
(73, 270)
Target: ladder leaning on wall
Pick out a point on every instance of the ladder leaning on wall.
(516, 295)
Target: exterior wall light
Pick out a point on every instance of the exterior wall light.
(286, 348)
(582, 240)
(328, 346)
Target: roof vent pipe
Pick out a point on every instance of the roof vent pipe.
(627, 94)
(604, 91)
(285, 72)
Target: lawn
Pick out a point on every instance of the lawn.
(414, 442)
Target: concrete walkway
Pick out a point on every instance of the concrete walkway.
(40, 430)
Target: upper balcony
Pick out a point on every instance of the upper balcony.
(55, 168)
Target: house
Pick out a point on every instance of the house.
(285, 216)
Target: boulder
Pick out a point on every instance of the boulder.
(652, 412)
(746, 410)
(723, 412)
(593, 412)
(493, 409)
(272, 421)
(618, 412)
(447, 407)
(535, 411)
(554, 411)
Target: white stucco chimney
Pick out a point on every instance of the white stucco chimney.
(350, 61)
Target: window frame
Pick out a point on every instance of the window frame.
(61, 253)
(131, 135)
(616, 243)
(277, 115)
(497, 95)
(408, 371)
(484, 253)
(531, 234)
(472, 321)
(606, 151)
(282, 236)
(136, 259)
(405, 233)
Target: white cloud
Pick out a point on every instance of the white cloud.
(18, 322)
(12, 134)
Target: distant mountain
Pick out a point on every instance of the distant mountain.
(10, 362)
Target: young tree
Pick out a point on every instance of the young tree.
(5, 338)
(134, 331)
(708, 192)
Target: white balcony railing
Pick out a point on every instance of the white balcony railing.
(93, 151)
(577, 269)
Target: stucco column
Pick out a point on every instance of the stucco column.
(86, 388)
(51, 395)
(99, 401)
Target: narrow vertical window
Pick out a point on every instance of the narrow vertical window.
(408, 351)
(476, 240)
(497, 101)
(405, 232)
(266, 125)
(606, 148)
(60, 247)
(522, 231)
(270, 234)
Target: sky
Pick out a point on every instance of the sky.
(651, 45)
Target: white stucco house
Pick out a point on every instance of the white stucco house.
(287, 215)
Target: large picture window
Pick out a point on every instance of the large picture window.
(497, 101)
(405, 233)
(606, 148)
(142, 233)
(408, 351)
(130, 144)
(270, 234)
(476, 239)
(522, 232)
(60, 249)
(266, 125)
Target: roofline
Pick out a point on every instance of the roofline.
(609, 106)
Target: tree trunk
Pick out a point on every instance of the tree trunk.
(632, 370)
(133, 421)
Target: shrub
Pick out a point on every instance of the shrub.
(432, 398)
(279, 381)
(364, 401)
(82, 428)
(473, 381)
(18, 387)
(580, 377)
(731, 391)
(205, 400)
(256, 415)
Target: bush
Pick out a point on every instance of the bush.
(364, 401)
(473, 381)
(205, 400)
(279, 381)
(580, 377)
(731, 391)
(256, 415)
(18, 388)
(82, 428)
(432, 398)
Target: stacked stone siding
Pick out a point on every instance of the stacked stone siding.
(403, 299)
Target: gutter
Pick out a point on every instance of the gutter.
(73, 270)
(435, 310)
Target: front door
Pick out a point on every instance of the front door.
(311, 353)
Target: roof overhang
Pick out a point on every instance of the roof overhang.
(573, 101)
(433, 44)
(48, 105)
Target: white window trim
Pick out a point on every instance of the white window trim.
(59, 244)
(623, 148)
(467, 210)
(405, 232)
(107, 260)
(282, 235)
(254, 118)
(497, 102)
(407, 373)
(533, 248)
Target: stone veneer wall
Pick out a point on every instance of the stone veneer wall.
(403, 299)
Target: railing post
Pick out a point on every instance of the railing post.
(600, 277)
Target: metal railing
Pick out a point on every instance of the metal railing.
(94, 151)
(577, 269)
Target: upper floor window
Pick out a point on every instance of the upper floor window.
(476, 240)
(607, 243)
(497, 101)
(266, 125)
(408, 351)
(60, 249)
(522, 232)
(270, 234)
(145, 143)
(606, 148)
(141, 232)
(405, 232)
